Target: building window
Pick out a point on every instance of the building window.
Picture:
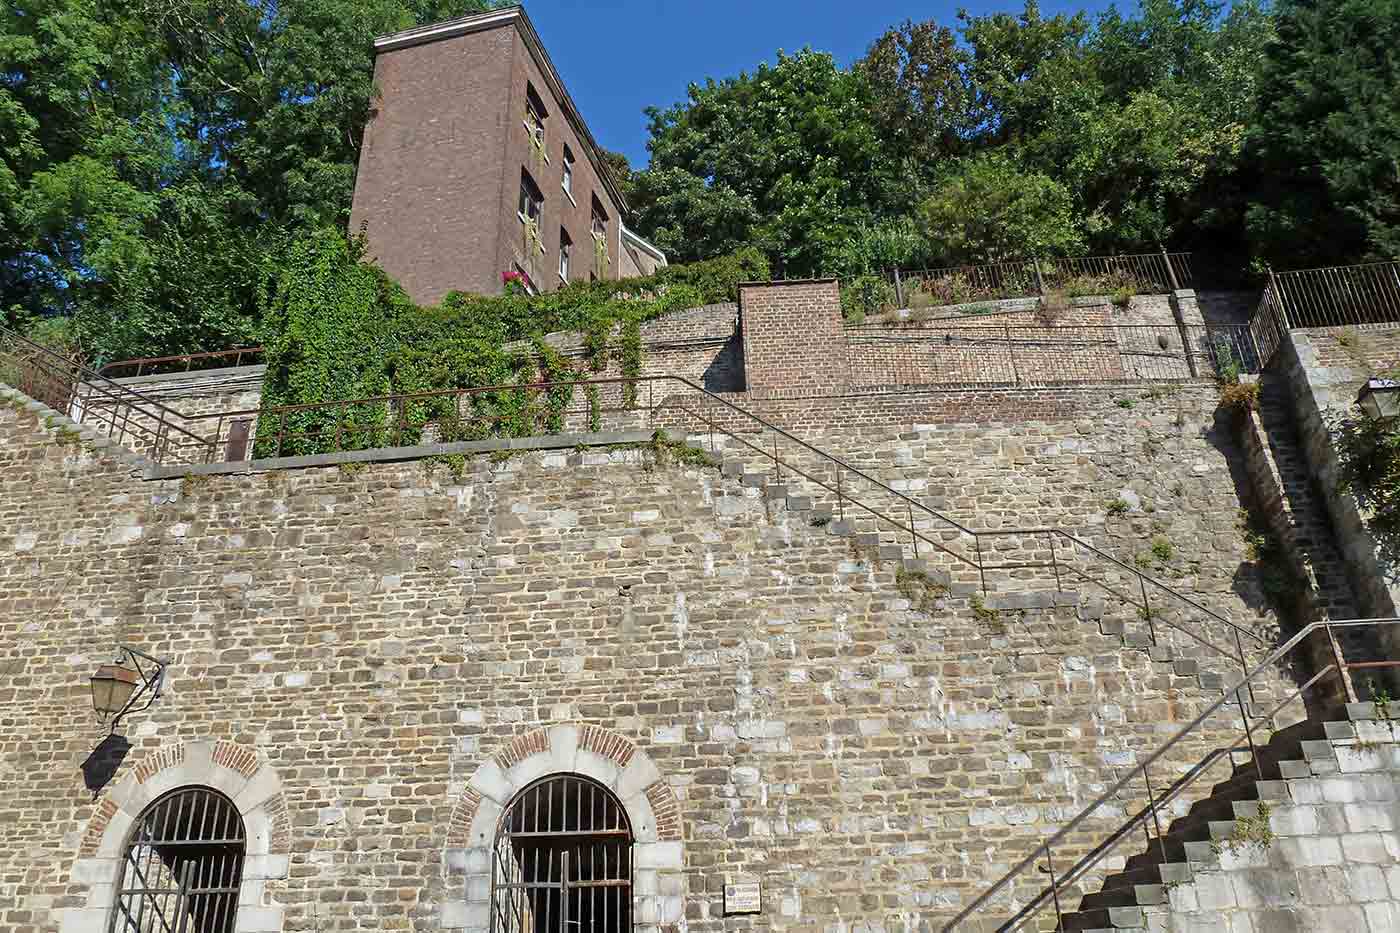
(531, 200)
(562, 861)
(568, 182)
(183, 866)
(601, 259)
(523, 278)
(535, 115)
(566, 246)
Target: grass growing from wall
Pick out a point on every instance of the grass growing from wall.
(342, 329)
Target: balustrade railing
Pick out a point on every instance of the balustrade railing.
(127, 416)
(951, 285)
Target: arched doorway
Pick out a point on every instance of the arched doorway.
(562, 860)
(182, 866)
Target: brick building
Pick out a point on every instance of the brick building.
(476, 162)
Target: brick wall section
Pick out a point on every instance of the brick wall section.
(377, 636)
(1091, 341)
(793, 337)
(429, 187)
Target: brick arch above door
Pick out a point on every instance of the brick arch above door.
(607, 757)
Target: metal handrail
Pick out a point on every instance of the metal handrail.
(188, 359)
(72, 375)
(1235, 694)
(973, 560)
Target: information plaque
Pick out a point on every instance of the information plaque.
(743, 897)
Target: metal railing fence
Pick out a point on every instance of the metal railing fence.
(984, 352)
(986, 912)
(90, 398)
(1336, 296)
(951, 285)
(181, 363)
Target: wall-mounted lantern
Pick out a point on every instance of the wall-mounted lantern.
(117, 688)
(1380, 398)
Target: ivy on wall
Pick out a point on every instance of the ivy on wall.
(342, 329)
(1368, 450)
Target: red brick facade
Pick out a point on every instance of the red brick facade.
(792, 337)
(440, 170)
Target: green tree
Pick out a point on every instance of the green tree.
(990, 210)
(922, 96)
(1327, 140)
(155, 154)
(789, 157)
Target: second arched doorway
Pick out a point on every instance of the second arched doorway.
(562, 860)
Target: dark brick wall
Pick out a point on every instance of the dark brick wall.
(792, 337)
(432, 165)
(439, 174)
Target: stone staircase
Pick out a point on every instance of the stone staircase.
(1319, 798)
(65, 428)
(1006, 593)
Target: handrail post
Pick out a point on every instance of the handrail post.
(1147, 609)
(1171, 273)
(913, 535)
(981, 566)
(1054, 885)
(1342, 668)
(1156, 820)
(1054, 562)
(840, 505)
(1244, 665)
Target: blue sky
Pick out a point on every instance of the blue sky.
(619, 56)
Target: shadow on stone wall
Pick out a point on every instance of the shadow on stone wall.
(102, 764)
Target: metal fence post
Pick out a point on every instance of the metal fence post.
(1171, 273)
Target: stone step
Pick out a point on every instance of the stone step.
(1112, 918)
(1132, 895)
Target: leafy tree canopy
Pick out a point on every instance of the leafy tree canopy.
(1327, 138)
(155, 155)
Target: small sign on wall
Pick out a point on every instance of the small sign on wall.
(742, 897)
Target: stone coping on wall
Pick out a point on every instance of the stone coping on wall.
(200, 376)
(391, 454)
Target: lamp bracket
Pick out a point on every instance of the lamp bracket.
(151, 670)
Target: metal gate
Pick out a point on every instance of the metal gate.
(562, 862)
(182, 867)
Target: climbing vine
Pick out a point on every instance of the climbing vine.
(342, 329)
(1369, 453)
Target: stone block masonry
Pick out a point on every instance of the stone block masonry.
(1324, 369)
(371, 655)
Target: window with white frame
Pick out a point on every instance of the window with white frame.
(566, 247)
(535, 115)
(568, 183)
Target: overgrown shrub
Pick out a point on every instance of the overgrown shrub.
(865, 295)
(1240, 396)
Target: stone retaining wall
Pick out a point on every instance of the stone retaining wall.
(375, 638)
